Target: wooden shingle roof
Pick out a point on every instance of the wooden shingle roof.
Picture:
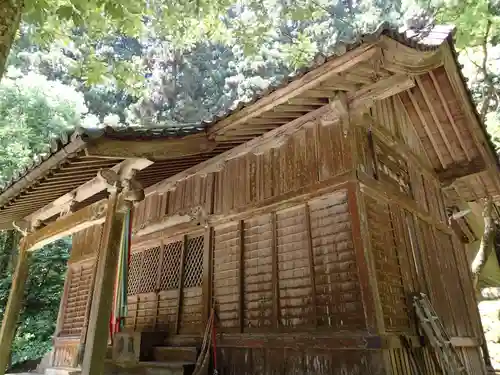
(432, 109)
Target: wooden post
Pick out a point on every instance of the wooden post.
(312, 271)
(207, 275)
(275, 276)
(241, 277)
(13, 307)
(100, 313)
(181, 287)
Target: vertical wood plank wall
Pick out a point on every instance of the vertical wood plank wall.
(77, 296)
(315, 247)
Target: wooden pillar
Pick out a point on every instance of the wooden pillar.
(100, 313)
(13, 307)
(181, 285)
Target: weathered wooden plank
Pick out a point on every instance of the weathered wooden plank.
(308, 81)
(181, 282)
(97, 334)
(72, 223)
(241, 276)
(307, 215)
(274, 277)
(13, 307)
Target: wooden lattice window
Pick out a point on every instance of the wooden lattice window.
(77, 297)
(158, 268)
(391, 168)
(150, 269)
(134, 273)
(193, 269)
(170, 267)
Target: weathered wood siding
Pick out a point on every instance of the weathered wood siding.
(165, 285)
(77, 296)
(290, 269)
(314, 154)
(314, 244)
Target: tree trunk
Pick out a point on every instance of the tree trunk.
(10, 17)
(8, 250)
(486, 245)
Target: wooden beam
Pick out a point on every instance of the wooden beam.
(433, 113)
(154, 149)
(312, 272)
(308, 81)
(338, 83)
(364, 259)
(13, 307)
(463, 170)
(250, 131)
(87, 190)
(67, 225)
(207, 275)
(304, 101)
(267, 121)
(98, 328)
(426, 128)
(361, 98)
(241, 276)
(166, 222)
(279, 115)
(380, 90)
(354, 78)
(290, 199)
(274, 276)
(180, 287)
(477, 129)
(295, 108)
(402, 59)
(449, 115)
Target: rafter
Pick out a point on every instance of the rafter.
(449, 115)
(308, 81)
(426, 127)
(434, 116)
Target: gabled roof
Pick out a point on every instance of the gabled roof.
(76, 158)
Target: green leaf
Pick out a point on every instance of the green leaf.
(65, 12)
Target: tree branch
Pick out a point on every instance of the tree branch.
(484, 70)
(486, 245)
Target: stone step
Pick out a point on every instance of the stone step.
(175, 354)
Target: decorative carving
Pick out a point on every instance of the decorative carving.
(132, 189)
(70, 208)
(23, 232)
(199, 215)
(111, 178)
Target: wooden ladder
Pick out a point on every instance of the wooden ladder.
(448, 358)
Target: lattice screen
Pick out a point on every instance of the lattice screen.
(392, 168)
(158, 268)
(134, 273)
(193, 269)
(80, 281)
(171, 262)
(154, 286)
(149, 271)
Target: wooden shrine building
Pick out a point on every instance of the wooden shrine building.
(306, 217)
